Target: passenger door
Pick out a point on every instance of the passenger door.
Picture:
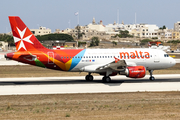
(50, 58)
(156, 57)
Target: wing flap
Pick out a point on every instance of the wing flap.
(116, 66)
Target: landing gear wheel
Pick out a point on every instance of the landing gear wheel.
(106, 79)
(151, 78)
(89, 78)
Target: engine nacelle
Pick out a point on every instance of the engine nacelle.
(135, 72)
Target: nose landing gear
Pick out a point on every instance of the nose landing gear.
(152, 78)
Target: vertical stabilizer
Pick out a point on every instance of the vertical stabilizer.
(23, 37)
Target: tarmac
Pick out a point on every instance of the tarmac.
(69, 85)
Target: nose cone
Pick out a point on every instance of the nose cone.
(9, 55)
(172, 62)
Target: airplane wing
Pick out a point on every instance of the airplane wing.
(119, 65)
(116, 66)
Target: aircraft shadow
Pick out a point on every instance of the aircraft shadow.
(114, 82)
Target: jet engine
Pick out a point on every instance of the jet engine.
(134, 72)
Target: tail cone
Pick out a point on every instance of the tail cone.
(9, 56)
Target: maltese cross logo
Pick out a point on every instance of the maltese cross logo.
(22, 39)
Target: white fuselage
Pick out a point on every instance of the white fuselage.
(152, 59)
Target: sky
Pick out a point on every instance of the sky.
(57, 14)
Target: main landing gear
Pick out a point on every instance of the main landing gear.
(151, 77)
(89, 77)
(106, 79)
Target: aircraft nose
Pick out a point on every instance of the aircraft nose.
(173, 62)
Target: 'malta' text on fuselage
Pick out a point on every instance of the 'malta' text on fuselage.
(133, 55)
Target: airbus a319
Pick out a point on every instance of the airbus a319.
(132, 63)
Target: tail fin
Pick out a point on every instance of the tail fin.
(23, 37)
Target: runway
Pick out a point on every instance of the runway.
(64, 85)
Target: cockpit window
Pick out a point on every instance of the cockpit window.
(166, 55)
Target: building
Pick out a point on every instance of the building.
(51, 43)
(142, 30)
(161, 33)
(98, 27)
(107, 32)
(88, 31)
(114, 28)
(66, 31)
(41, 31)
(177, 26)
(167, 34)
(3, 45)
(138, 30)
(175, 35)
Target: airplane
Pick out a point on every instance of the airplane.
(132, 63)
